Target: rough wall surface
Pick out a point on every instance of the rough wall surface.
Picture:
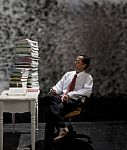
(64, 30)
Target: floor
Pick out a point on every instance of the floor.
(106, 135)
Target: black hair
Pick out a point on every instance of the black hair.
(86, 60)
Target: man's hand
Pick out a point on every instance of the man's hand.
(52, 91)
(65, 98)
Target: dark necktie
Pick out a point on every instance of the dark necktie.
(72, 84)
(70, 87)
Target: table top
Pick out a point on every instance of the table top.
(29, 95)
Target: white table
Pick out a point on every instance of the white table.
(19, 104)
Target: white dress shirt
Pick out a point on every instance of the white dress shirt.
(83, 85)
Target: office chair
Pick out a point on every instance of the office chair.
(78, 111)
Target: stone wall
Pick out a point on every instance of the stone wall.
(65, 29)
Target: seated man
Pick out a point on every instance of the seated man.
(64, 98)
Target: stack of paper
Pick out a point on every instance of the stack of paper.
(24, 75)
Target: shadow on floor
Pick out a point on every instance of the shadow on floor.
(77, 144)
(105, 135)
(70, 142)
(12, 140)
(74, 141)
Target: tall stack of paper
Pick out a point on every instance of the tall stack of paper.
(24, 75)
(32, 81)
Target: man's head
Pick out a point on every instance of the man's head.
(82, 62)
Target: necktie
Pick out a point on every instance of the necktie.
(72, 84)
(70, 87)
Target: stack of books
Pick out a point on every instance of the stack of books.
(24, 75)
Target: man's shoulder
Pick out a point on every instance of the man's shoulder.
(88, 74)
(71, 72)
(85, 74)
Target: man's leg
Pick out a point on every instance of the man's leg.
(68, 107)
(49, 132)
(55, 111)
(51, 106)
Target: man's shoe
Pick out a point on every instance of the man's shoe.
(62, 133)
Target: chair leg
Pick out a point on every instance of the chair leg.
(84, 136)
(13, 122)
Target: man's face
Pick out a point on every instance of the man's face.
(80, 66)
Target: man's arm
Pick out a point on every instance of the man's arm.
(59, 86)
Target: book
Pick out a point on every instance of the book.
(17, 91)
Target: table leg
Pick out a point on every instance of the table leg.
(36, 115)
(33, 123)
(13, 122)
(1, 125)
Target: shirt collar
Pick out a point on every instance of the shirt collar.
(80, 73)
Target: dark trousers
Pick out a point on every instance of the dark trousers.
(54, 110)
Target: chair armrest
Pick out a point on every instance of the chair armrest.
(84, 102)
(83, 99)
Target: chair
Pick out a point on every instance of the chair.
(81, 108)
(72, 141)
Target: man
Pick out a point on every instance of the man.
(64, 98)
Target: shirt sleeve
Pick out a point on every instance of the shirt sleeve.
(59, 86)
(85, 91)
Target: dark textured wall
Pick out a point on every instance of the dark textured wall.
(63, 31)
